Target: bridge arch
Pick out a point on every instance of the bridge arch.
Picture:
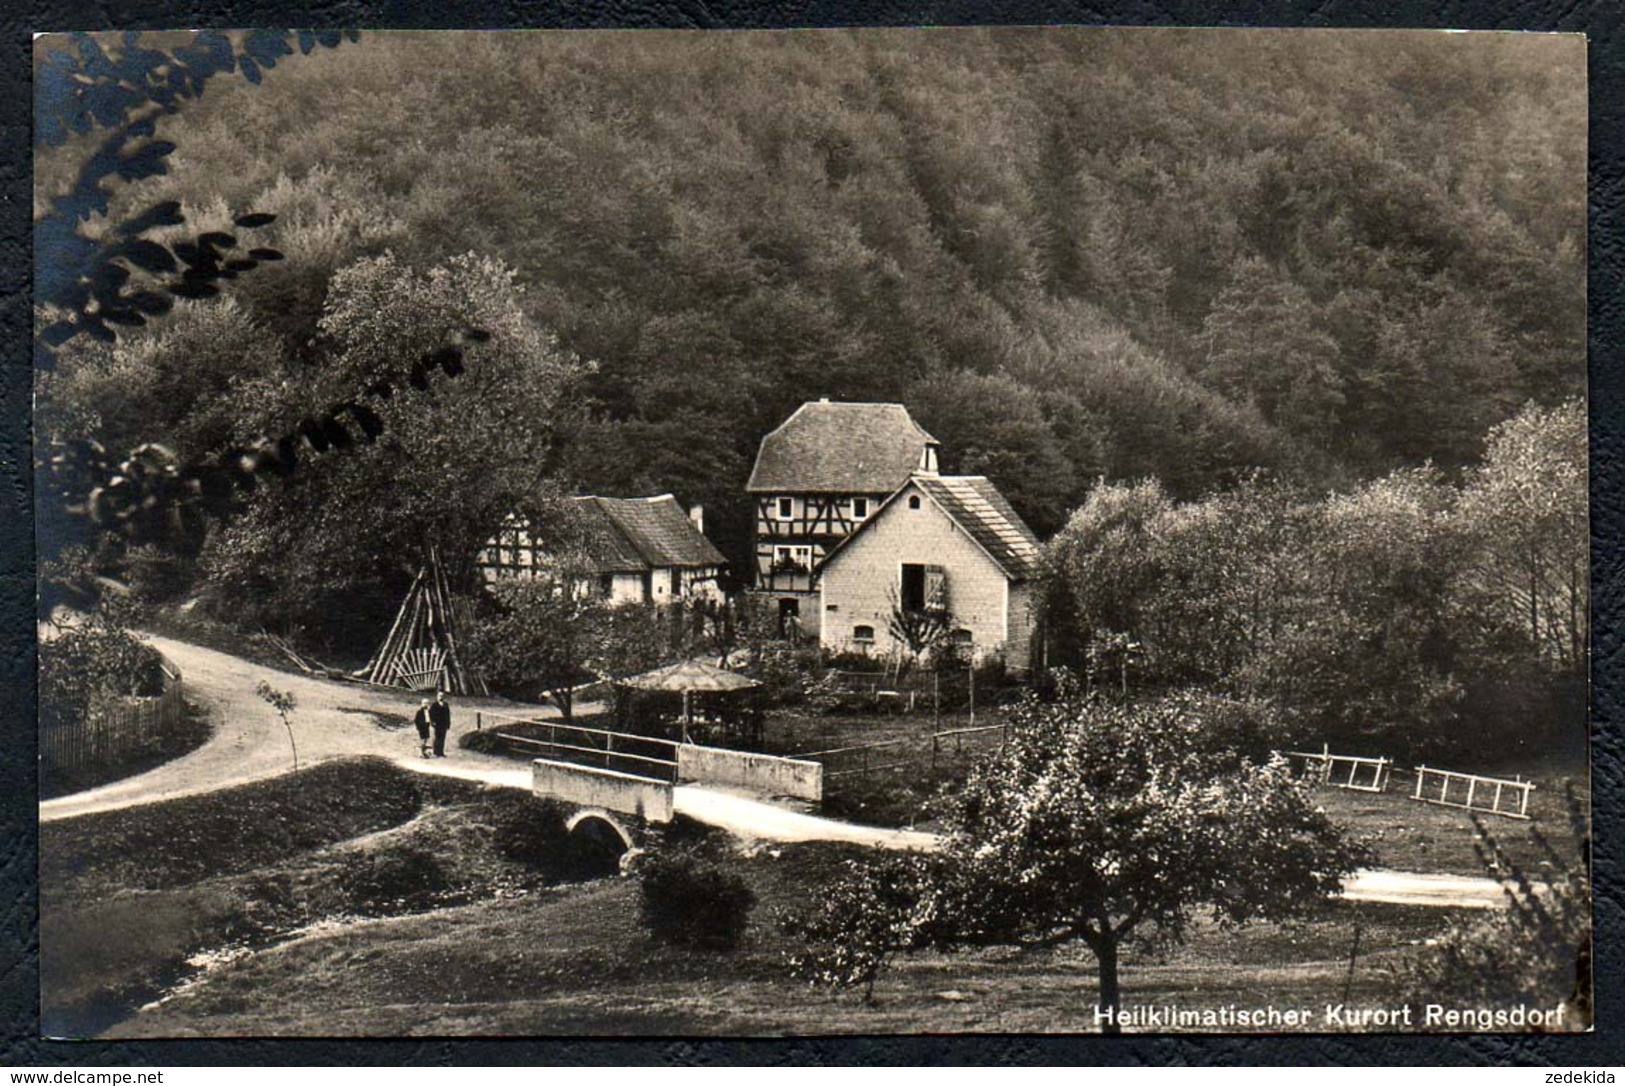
(598, 825)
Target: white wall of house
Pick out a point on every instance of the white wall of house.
(698, 583)
(860, 584)
(1018, 648)
(626, 588)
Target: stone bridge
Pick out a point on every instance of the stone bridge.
(618, 800)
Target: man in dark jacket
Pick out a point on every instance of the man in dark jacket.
(440, 720)
(421, 720)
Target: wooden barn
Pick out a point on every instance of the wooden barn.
(632, 550)
(818, 478)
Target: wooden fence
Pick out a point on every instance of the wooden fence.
(114, 731)
(1442, 787)
(1349, 771)
(910, 752)
(1471, 792)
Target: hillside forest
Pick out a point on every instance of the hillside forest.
(1125, 274)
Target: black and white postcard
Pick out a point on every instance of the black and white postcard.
(790, 533)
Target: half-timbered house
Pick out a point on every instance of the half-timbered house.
(628, 550)
(942, 552)
(817, 479)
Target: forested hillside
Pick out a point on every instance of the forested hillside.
(1073, 254)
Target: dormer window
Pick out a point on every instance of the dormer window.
(860, 508)
(787, 508)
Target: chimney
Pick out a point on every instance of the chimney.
(928, 459)
(696, 514)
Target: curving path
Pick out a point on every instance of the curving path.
(333, 720)
(330, 720)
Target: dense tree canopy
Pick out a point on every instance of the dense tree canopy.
(1405, 614)
(1155, 253)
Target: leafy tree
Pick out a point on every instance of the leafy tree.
(539, 642)
(1100, 569)
(1101, 824)
(84, 282)
(1524, 513)
(1260, 342)
(539, 638)
(90, 661)
(449, 465)
(93, 282)
(993, 426)
(1366, 648)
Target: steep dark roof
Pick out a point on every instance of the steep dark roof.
(634, 534)
(978, 507)
(840, 448)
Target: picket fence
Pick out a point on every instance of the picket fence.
(115, 731)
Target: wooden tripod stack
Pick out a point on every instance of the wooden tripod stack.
(420, 652)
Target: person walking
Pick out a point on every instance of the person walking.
(440, 720)
(421, 720)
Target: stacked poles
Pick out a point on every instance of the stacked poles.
(425, 630)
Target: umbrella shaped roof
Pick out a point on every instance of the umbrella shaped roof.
(691, 675)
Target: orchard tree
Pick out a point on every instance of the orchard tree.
(544, 640)
(1100, 824)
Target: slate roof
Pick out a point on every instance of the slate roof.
(978, 507)
(625, 535)
(840, 448)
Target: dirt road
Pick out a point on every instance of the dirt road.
(330, 720)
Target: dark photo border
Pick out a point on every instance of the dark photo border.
(20, 1045)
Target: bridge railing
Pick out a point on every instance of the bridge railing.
(578, 744)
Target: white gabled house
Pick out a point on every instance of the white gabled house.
(948, 544)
